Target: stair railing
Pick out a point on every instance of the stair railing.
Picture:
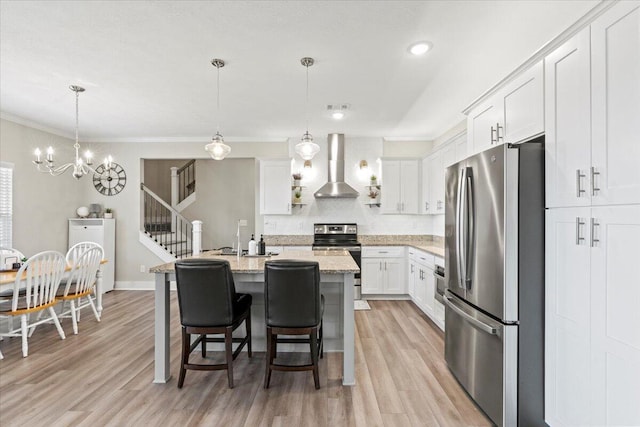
(183, 182)
(168, 227)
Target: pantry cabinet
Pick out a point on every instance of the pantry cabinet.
(592, 278)
(401, 182)
(275, 187)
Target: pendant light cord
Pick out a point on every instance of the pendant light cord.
(307, 106)
(218, 100)
(77, 145)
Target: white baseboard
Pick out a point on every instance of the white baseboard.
(393, 297)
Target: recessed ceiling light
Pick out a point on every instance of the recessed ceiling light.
(337, 115)
(420, 48)
(337, 111)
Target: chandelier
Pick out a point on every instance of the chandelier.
(306, 148)
(217, 149)
(80, 167)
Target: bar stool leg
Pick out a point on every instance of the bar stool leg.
(313, 338)
(321, 342)
(186, 338)
(228, 347)
(248, 327)
(269, 358)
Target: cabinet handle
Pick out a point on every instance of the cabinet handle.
(439, 205)
(412, 268)
(594, 224)
(385, 266)
(383, 252)
(579, 176)
(594, 188)
(426, 206)
(492, 132)
(578, 224)
(498, 137)
(288, 207)
(380, 266)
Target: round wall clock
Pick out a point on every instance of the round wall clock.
(109, 181)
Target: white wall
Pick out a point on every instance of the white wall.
(370, 220)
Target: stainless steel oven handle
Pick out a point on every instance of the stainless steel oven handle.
(472, 320)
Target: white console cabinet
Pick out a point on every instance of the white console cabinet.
(103, 232)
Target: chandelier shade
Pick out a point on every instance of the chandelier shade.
(79, 166)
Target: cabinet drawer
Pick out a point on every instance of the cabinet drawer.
(426, 259)
(383, 251)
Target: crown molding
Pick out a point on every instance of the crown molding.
(181, 139)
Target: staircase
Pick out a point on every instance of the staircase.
(170, 233)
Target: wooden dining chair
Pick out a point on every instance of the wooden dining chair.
(39, 279)
(19, 256)
(81, 283)
(72, 256)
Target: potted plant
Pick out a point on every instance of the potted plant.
(374, 180)
(297, 196)
(108, 213)
(296, 179)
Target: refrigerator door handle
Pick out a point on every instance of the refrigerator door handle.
(469, 228)
(472, 320)
(459, 229)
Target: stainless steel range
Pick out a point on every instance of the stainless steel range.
(339, 237)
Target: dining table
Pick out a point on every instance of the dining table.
(337, 271)
(8, 279)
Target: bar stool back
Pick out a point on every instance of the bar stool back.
(209, 304)
(293, 306)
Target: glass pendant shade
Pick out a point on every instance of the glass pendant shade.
(217, 149)
(306, 148)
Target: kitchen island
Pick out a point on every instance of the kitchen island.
(337, 270)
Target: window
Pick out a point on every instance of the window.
(6, 204)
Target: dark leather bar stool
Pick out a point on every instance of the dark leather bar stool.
(293, 306)
(208, 305)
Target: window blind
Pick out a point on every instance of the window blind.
(6, 204)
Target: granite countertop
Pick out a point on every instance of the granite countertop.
(331, 262)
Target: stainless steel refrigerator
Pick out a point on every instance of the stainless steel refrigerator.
(494, 301)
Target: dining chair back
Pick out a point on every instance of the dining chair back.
(78, 249)
(81, 283)
(34, 290)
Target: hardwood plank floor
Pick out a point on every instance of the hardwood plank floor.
(102, 376)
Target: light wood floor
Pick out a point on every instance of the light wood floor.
(102, 376)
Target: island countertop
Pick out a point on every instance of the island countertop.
(331, 262)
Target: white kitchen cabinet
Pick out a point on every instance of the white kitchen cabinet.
(103, 232)
(513, 114)
(400, 181)
(436, 183)
(615, 106)
(461, 147)
(592, 109)
(426, 283)
(567, 111)
(383, 270)
(275, 187)
(425, 202)
(592, 340)
(411, 272)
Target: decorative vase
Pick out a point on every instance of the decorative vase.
(82, 211)
(108, 215)
(296, 183)
(374, 182)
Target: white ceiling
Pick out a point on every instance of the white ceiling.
(146, 64)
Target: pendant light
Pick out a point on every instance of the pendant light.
(217, 149)
(80, 167)
(306, 148)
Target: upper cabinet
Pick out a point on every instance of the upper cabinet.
(275, 187)
(401, 181)
(433, 172)
(513, 114)
(592, 110)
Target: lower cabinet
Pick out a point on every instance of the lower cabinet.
(592, 338)
(423, 283)
(383, 270)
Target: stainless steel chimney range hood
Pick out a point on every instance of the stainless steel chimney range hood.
(336, 188)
